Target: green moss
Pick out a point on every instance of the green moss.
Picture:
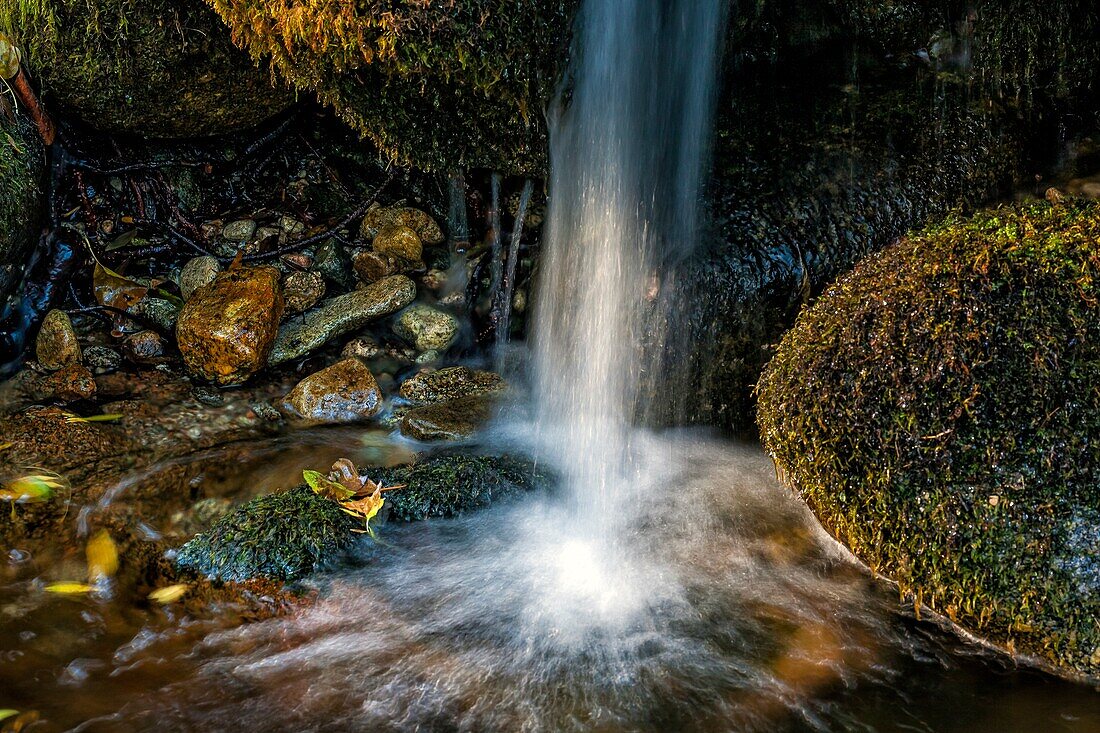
(159, 68)
(938, 408)
(22, 167)
(436, 85)
(281, 536)
(450, 485)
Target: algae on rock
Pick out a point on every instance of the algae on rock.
(156, 68)
(22, 168)
(435, 85)
(938, 408)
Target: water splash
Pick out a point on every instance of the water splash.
(629, 148)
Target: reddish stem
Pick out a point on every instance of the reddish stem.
(22, 88)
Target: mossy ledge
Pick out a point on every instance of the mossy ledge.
(939, 408)
(22, 169)
(155, 68)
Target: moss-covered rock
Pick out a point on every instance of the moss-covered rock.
(287, 536)
(450, 485)
(437, 85)
(280, 536)
(157, 68)
(22, 168)
(938, 408)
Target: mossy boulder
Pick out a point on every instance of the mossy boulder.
(436, 85)
(156, 68)
(290, 535)
(939, 409)
(280, 536)
(22, 168)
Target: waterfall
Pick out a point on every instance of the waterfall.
(630, 136)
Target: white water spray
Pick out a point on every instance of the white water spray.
(629, 148)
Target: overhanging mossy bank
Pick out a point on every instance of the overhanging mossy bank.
(156, 68)
(938, 408)
(22, 168)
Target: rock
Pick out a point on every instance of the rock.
(302, 290)
(279, 537)
(399, 242)
(343, 392)
(69, 384)
(102, 359)
(434, 279)
(57, 345)
(22, 203)
(239, 231)
(424, 226)
(196, 273)
(938, 410)
(337, 316)
(427, 328)
(155, 68)
(425, 358)
(291, 227)
(208, 396)
(144, 347)
(332, 261)
(454, 420)
(449, 384)
(160, 312)
(447, 486)
(371, 267)
(363, 347)
(227, 328)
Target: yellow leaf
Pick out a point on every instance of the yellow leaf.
(325, 488)
(32, 488)
(69, 588)
(169, 594)
(94, 418)
(366, 507)
(5, 446)
(102, 556)
(8, 713)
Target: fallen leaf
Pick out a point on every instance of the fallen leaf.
(366, 507)
(69, 588)
(8, 713)
(5, 446)
(94, 418)
(32, 488)
(102, 556)
(169, 594)
(326, 488)
(114, 290)
(345, 472)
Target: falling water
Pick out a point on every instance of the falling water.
(629, 148)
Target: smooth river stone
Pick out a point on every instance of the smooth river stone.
(450, 384)
(343, 392)
(338, 316)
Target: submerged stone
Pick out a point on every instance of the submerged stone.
(938, 410)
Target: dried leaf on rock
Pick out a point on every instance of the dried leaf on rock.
(114, 290)
(327, 488)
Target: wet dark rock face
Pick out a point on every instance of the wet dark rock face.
(22, 172)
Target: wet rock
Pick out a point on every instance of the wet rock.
(207, 396)
(69, 384)
(333, 262)
(448, 421)
(239, 231)
(449, 384)
(343, 392)
(22, 201)
(427, 357)
(144, 347)
(291, 226)
(427, 328)
(434, 279)
(280, 537)
(196, 273)
(399, 242)
(302, 290)
(371, 267)
(380, 217)
(950, 456)
(447, 486)
(363, 347)
(57, 346)
(337, 316)
(102, 359)
(227, 329)
(160, 312)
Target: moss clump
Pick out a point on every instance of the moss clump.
(22, 167)
(436, 85)
(158, 68)
(281, 537)
(939, 409)
(450, 485)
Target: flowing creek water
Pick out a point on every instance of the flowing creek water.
(671, 583)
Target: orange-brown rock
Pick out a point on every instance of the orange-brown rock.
(343, 392)
(227, 328)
